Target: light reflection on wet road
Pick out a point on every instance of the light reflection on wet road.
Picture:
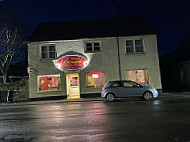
(162, 120)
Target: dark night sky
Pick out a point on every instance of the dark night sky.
(170, 18)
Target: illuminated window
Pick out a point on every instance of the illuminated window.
(48, 52)
(92, 47)
(139, 76)
(74, 82)
(49, 83)
(134, 46)
(95, 79)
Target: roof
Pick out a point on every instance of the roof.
(112, 27)
(179, 56)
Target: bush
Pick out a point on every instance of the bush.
(20, 89)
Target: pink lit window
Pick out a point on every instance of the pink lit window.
(49, 83)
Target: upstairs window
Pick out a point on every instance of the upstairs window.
(48, 52)
(134, 46)
(92, 47)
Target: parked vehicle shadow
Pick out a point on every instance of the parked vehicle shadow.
(130, 99)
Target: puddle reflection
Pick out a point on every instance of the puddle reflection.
(156, 102)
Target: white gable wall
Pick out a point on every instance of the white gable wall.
(104, 61)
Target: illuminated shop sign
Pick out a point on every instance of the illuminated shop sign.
(95, 75)
(71, 62)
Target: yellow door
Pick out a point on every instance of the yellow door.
(73, 87)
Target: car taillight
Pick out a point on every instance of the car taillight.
(103, 88)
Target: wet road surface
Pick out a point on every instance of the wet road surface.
(166, 119)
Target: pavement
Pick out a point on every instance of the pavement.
(162, 95)
(54, 101)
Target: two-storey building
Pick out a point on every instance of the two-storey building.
(76, 58)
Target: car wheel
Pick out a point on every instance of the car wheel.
(110, 97)
(147, 96)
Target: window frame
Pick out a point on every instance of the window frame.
(147, 77)
(134, 46)
(38, 76)
(48, 51)
(93, 46)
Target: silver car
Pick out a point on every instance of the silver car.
(123, 89)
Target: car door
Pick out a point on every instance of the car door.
(131, 89)
(117, 88)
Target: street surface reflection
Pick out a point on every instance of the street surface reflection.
(145, 121)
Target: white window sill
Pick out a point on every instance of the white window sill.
(41, 92)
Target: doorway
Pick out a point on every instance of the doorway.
(73, 86)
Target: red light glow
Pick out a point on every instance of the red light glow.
(95, 75)
(71, 62)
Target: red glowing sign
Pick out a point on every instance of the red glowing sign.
(30, 70)
(71, 62)
(95, 75)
